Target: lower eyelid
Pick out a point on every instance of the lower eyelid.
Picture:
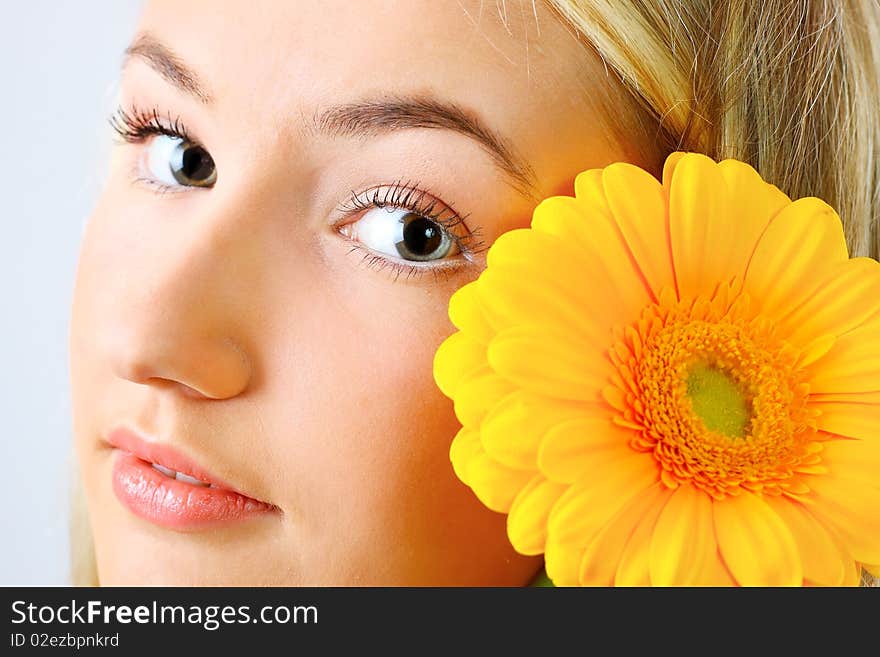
(441, 268)
(154, 186)
(452, 262)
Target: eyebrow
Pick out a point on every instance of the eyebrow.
(168, 64)
(364, 118)
(375, 117)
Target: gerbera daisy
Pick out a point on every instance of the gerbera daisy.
(674, 383)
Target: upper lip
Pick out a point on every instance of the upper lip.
(152, 451)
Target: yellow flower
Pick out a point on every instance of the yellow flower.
(674, 383)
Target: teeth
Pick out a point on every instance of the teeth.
(190, 480)
(165, 471)
(168, 472)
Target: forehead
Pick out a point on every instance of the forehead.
(303, 53)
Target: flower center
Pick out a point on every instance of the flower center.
(714, 395)
(718, 400)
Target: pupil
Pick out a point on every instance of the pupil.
(421, 236)
(196, 164)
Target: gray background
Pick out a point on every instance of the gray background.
(59, 66)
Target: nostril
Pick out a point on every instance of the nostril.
(181, 388)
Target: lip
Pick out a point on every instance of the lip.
(170, 502)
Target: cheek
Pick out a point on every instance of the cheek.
(366, 422)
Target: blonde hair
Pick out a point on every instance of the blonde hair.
(790, 86)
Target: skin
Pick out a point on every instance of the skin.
(235, 324)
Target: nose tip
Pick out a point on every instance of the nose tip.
(196, 368)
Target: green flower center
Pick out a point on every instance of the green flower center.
(715, 395)
(719, 401)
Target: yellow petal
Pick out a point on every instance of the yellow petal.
(803, 241)
(635, 559)
(683, 542)
(464, 448)
(593, 231)
(457, 358)
(494, 484)
(556, 278)
(512, 431)
(848, 398)
(527, 522)
(852, 365)
(669, 165)
(851, 507)
(852, 420)
(847, 498)
(562, 561)
(588, 505)
(550, 361)
(873, 569)
(476, 396)
(815, 350)
(854, 459)
(823, 561)
(701, 227)
(715, 573)
(511, 297)
(756, 203)
(602, 556)
(756, 544)
(845, 299)
(466, 313)
(853, 575)
(638, 205)
(588, 187)
(576, 448)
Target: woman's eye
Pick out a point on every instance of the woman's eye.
(402, 233)
(175, 161)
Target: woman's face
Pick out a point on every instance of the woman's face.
(261, 304)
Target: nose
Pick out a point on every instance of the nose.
(176, 315)
(196, 366)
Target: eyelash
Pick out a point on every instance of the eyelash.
(135, 126)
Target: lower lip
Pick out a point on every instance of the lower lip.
(174, 504)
